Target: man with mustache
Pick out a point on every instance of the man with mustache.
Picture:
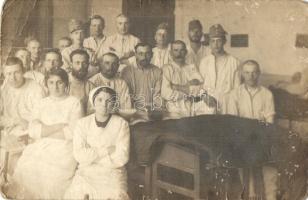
(219, 70)
(109, 65)
(144, 80)
(79, 86)
(182, 86)
(195, 49)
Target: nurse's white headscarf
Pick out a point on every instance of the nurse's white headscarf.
(94, 92)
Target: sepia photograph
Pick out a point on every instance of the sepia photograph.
(154, 100)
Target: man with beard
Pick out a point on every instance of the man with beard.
(109, 64)
(219, 70)
(195, 50)
(34, 47)
(79, 86)
(182, 86)
(77, 35)
(144, 80)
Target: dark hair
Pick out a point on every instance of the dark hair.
(113, 95)
(80, 52)
(98, 17)
(142, 44)
(251, 62)
(108, 54)
(68, 39)
(14, 61)
(55, 51)
(178, 42)
(57, 72)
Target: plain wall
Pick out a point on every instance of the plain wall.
(272, 26)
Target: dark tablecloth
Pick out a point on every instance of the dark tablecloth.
(242, 142)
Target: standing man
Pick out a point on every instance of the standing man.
(161, 54)
(79, 86)
(77, 35)
(34, 47)
(123, 43)
(97, 37)
(219, 69)
(109, 64)
(195, 49)
(182, 86)
(144, 80)
(251, 100)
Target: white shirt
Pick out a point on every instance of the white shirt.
(94, 46)
(36, 76)
(119, 44)
(102, 153)
(220, 76)
(254, 104)
(176, 103)
(195, 58)
(161, 57)
(18, 103)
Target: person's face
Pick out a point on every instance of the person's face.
(35, 48)
(52, 60)
(250, 74)
(63, 44)
(96, 27)
(25, 57)
(56, 86)
(80, 66)
(195, 35)
(77, 36)
(14, 75)
(144, 55)
(109, 66)
(178, 52)
(217, 44)
(161, 37)
(102, 103)
(122, 25)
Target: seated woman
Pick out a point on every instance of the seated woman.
(47, 166)
(101, 147)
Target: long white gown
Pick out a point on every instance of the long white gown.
(102, 154)
(47, 166)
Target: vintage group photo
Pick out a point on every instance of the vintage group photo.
(154, 100)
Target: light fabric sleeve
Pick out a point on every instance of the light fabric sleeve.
(166, 91)
(84, 154)
(119, 156)
(75, 114)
